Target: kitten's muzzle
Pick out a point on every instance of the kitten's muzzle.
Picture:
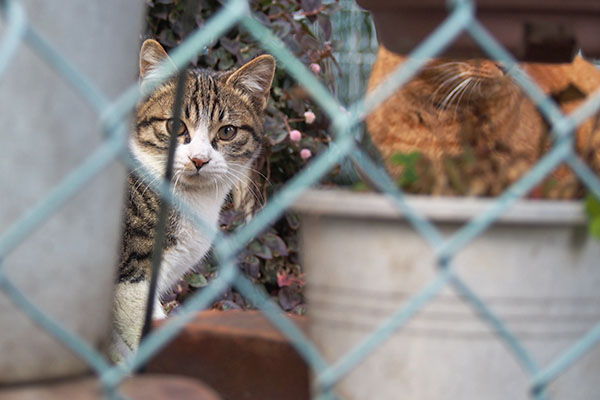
(199, 162)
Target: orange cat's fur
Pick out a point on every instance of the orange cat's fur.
(469, 119)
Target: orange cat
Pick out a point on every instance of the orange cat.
(475, 130)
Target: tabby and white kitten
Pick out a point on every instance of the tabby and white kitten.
(220, 135)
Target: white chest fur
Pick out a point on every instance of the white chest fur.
(193, 242)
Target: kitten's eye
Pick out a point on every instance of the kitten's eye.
(227, 132)
(181, 130)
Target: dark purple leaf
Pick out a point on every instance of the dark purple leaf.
(310, 5)
(260, 250)
(239, 300)
(309, 42)
(300, 309)
(270, 270)
(227, 294)
(263, 19)
(325, 25)
(252, 266)
(277, 137)
(289, 298)
(171, 296)
(177, 28)
(161, 15)
(275, 243)
(292, 220)
(281, 28)
(231, 217)
(232, 46)
(227, 305)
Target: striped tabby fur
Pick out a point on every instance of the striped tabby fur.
(219, 138)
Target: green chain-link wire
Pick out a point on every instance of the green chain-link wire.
(114, 129)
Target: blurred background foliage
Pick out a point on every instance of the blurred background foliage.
(319, 33)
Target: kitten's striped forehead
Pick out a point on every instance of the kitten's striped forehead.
(209, 101)
(202, 98)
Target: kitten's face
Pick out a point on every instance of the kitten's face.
(220, 130)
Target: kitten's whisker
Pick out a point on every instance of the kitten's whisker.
(216, 188)
(141, 180)
(152, 182)
(254, 189)
(242, 177)
(257, 191)
(248, 176)
(151, 166)
(249, 168)
(178, 175)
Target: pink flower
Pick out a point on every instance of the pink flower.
(295, 135)
(309, 117)
(305, 154)
(314, 67)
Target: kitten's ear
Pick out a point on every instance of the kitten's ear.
(151, 56)
(255, 78)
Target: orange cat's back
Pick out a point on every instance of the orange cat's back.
(570, 85)
(470, 117)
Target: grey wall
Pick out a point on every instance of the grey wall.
(67, 267)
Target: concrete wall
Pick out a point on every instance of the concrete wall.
(68, 266)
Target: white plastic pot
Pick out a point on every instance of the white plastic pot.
(536, 268)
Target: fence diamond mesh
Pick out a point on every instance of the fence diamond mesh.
(461, 18)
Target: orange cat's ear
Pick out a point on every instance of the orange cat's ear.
(255, 78)
(151, 56)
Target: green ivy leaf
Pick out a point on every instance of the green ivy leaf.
(196, 280)
(594, 227)
(405, 159)
(409, 162)
(592, 206)
(360, 186)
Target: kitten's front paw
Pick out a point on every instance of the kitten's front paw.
(158, 312)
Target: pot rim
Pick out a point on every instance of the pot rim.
(346, 203)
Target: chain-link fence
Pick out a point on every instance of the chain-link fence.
(114, 114)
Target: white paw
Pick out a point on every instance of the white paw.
(158, 312)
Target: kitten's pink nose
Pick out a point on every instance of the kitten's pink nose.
(198, 162)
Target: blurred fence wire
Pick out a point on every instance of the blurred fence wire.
(461, 18)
